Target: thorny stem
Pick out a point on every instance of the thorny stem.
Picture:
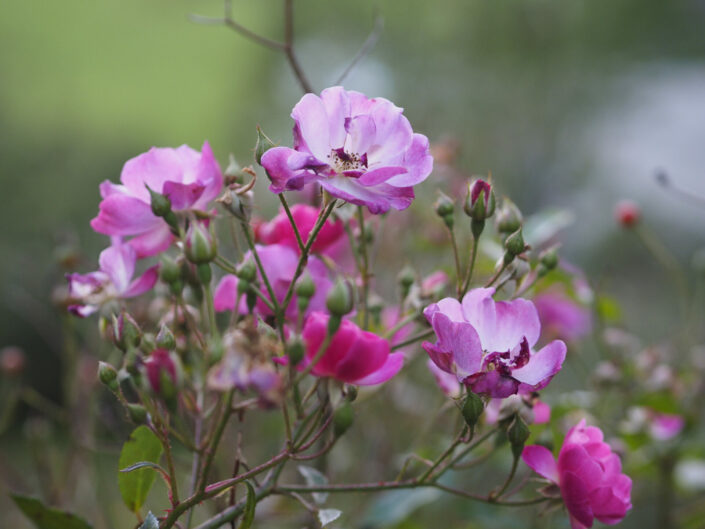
(471, 265)
(496, 275)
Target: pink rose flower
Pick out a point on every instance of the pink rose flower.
(589, 475)
(188, 178)
(358, 149)
(488, 344)
(112, 281)
(664, 426)
(280, 231)
(280, 264)
(353, 356)
(561, 317)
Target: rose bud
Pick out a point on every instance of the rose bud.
(480, 201)
(627, 213)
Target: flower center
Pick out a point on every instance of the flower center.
(346, 163)
(505, 362)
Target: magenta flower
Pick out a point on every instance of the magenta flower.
(664, 426)
(280, 264)
(358, 149)
(354, 356)
(280, 231)
(589, 475)
(163, 372)
(188, 178)
(561, 317)
(488, 344)
(112, 281)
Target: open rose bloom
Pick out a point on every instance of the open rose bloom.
(353, 355)
(358, 149)
(589, 475)
(112, 281)
(487, 345)
(190, 179)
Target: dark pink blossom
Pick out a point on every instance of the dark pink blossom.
(488, 344)
(280, 231)
(190, 179)
(358, 149)
(589, 475)
(162, 368)
(664, 426)
(280, 264)
(353, 356)
(112, 281)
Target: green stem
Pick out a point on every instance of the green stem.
(260, 266)
(456, 257)
(364, 270)
(215, 439)
(446, 453)
(282, 199)
(413, 339)
(471, 265)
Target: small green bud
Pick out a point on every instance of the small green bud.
(243, 287)
(161, 205)
(108, 376)
(263, 145)
(126, 331)
(247, 271)
(509, 217)
(444, 206)
(147, 344)
(549, 258)
(339, 300)
(169, 271)
(295, 350)
(200, 246)
(472, 409)
(233, 172)
(137, 412)
(517, 433)
(305, 287)
(480, 201)
(343, 418)
(515, 243)
(165, 338)
(176, 287)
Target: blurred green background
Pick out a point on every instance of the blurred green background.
(570, 104)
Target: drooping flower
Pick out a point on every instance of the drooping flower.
(112, 281)
(280, 231)
(561, 317)
(589, 475)
(280, 264)
(353, 356)
(358, 149)
(488, 344)
(190, 179)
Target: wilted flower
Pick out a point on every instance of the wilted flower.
(589, 475)
(358, 149)
(561, 317)
(353, 356)
(280, 264)
(189, 180)
(112, 281)
(487, 344)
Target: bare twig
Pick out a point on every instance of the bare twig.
(366, 48)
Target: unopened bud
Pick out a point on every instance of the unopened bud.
(127, 333)
(627, 213)
(12, 361)
(263, 145)
(515, 243)
(480, 201)
(161, 205)
(509, 217)
(343, 418)
(517, 433)
(200, 246)
(295, 350)
(169, 271)
(445, 208)
(472, 409)
(305, 287)
(137, 412)
(549, 258)
(233, 172)
(163, 371)
(339, 300)
(165, 338)
(108, 376)
(247, 271)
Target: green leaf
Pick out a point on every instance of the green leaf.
(314, 478)
(150, 522)
(47, 517)
(142, 446)
(249, 514)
